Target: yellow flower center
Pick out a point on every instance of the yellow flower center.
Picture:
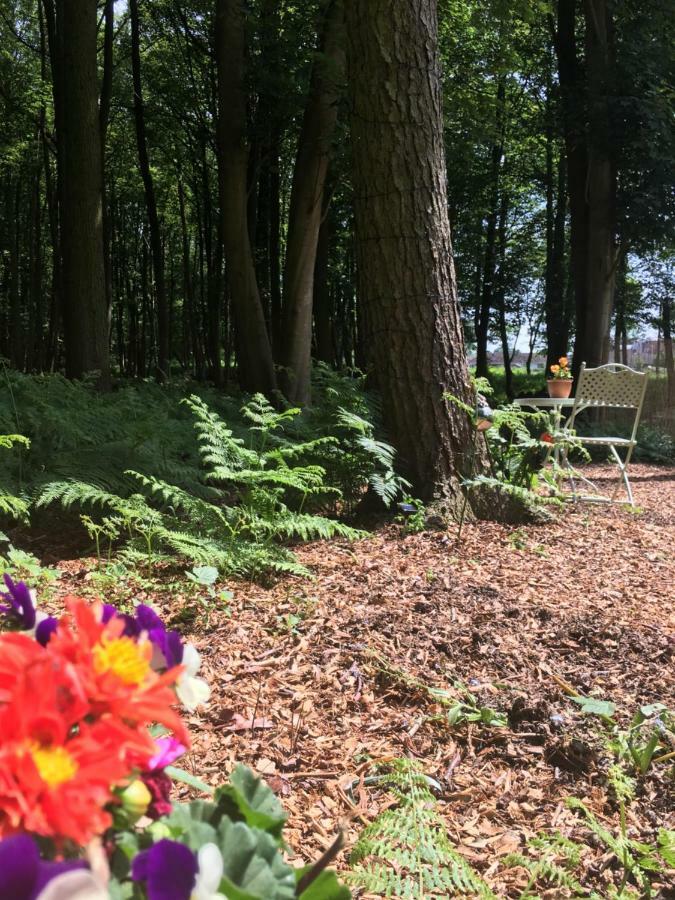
(55, 764)
(124, 657)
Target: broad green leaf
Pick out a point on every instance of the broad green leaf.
(247, 797)
(592, 706)
(205, 575)
(325, 887)
(253, 868)
(178, 774)
(191, 823)
(653, 709)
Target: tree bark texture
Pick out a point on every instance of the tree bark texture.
(163, 325)
(573, 96)
(254, 352)
(306, 205)
(490, 265)
(405, 265)
(601, 185)
(85, 316)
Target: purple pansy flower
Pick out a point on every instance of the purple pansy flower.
(168, 749)
(169, 870)
(23, 875)
(46, 629)
(20, 606)
(155, 778)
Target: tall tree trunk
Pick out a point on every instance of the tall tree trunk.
(163, 325)
(73, 48)
(573, 106)
(306, 206)
(501, 294)
(556, 209)
(490, 265)
(254, 356)
(104, 118)
(666, 323)
(323, 312)
(405, 266)
(601, 186)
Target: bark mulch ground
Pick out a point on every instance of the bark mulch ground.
(314, 679)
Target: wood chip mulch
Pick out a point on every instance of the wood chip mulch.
(315, 679)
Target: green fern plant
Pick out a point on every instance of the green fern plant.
(10, 505)
(552, 863)
(405, 852)
(257, 495)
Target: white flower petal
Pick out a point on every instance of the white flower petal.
(192, 692)
(191, 659)
(77, 885)
(210, 871)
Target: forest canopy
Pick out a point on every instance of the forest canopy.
(195, 188)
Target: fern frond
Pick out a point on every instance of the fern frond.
(405, 851)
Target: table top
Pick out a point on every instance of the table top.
(544, 401)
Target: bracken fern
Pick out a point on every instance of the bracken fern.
(405, 852)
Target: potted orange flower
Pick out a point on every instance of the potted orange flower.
(560, 382)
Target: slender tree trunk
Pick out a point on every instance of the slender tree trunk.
(600, 185)
(489, 270)
(556, 208)
(85, 319)
(104, 118)
(666, 322)
(256, 366)
(501, 294)
(574, 105)
(323, 312)
(163, 325)
(405, 266)
(306, 207)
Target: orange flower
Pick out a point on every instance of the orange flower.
(115, 670)
(74, 723)
(563, 361)
(555, 369)
(56, 770)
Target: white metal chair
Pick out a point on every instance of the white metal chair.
(610, 386)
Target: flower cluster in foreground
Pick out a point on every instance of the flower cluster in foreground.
(89, 732)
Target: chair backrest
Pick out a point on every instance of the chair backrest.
(611, 385)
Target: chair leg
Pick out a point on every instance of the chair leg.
(623, 469)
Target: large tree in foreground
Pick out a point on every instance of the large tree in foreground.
(404, 254)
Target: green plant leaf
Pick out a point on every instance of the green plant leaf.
(592, 706)
(188, 778)
(325, 887)
(204, 575)
(247, 797)
(253, 868)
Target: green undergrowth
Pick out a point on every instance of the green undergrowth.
(185, 472)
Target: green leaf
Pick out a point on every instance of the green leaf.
(204, 575)
(247, 797)
(653, 709)
(188, 778)
(117, 891)
(592, 706)
(325, 887)
(667, 847)
(253, 868)
(192, 823)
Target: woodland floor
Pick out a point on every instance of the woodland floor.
(312, 680)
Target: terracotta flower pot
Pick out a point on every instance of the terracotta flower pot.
(559, 387)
